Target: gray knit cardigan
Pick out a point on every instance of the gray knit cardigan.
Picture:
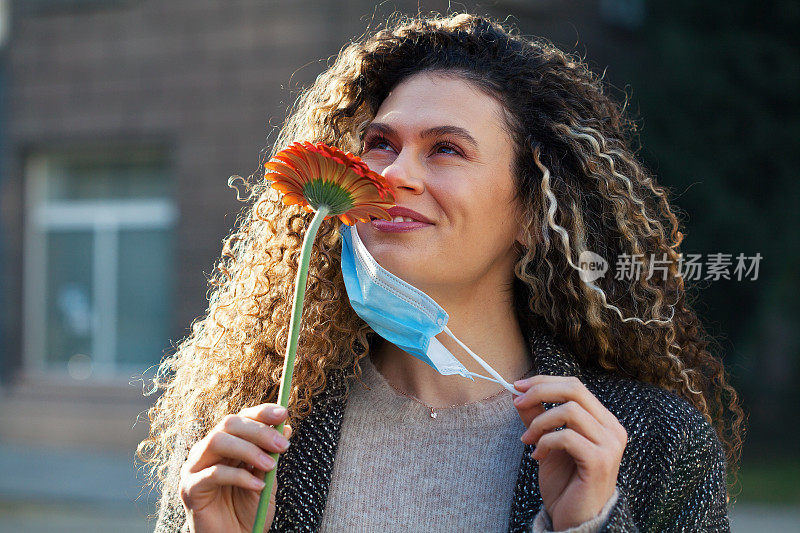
(671, 477)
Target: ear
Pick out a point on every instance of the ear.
(520, 237)
(517, 217)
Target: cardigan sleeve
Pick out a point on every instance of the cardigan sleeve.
(543, 524)
(171, 515)
(694, 496)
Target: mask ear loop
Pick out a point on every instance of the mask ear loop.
(499, 379)
(355, 236)
(513, 391)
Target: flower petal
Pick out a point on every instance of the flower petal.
(342, 180)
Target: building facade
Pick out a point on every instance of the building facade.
(124, 120)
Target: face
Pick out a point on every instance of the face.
(442, 146)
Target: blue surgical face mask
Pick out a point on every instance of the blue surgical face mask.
(401, 313)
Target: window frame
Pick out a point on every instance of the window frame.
(104, 219)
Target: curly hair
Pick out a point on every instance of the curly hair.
(582, 188)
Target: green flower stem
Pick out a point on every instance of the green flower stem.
(288, 363)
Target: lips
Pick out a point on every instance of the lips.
(398, 227)
(401, 211)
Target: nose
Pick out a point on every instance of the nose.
(402, 174)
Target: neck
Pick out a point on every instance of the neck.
(491, 330)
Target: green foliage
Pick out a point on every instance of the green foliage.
(773, 482)
(716, 102)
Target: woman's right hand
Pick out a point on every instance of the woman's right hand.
(221, 480)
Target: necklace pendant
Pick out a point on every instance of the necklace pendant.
(433, 413)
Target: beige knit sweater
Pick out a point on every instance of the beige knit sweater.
(671, 478)
(398, 469)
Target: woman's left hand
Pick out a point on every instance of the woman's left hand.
(578, 465)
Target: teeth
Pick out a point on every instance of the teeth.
(402, 219)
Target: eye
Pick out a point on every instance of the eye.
(449, 146)
(374, 140)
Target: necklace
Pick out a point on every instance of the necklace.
(434, 414)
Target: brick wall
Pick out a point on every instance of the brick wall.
(208, 78)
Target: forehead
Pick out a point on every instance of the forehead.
(428, 99)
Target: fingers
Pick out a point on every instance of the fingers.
(528, 414)
(287, 432)
(558, 389)
(597, 462)
(266, 413)
(267, 437)
(580, 410)
(220, 445)
(244, 437)
(234, 453)
(198, 484)
(578, 447)
(570, 414)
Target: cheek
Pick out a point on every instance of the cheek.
(471, 211)
(375, 164)
(489, 219)
(377, 160)
(474, 203)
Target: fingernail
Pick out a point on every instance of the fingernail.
(267, 462)
(517, 400)
(281, 442)
(279, 411)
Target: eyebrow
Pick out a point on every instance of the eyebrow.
(436, 131)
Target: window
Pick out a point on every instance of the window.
(98, 260)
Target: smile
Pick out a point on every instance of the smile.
(398, 224)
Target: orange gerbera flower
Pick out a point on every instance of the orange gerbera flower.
(315, 174)
(327, 182)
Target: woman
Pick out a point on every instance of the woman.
(516, 162)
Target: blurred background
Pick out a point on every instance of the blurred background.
(121, 121)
